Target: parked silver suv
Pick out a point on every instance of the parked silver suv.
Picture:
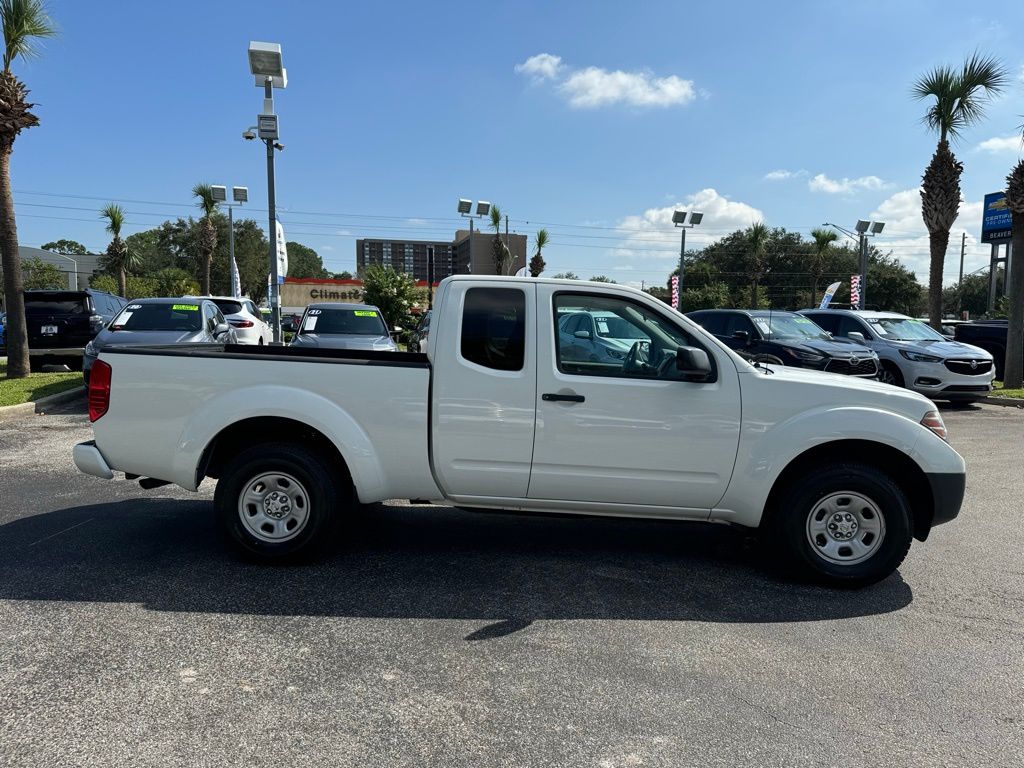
(912, 354)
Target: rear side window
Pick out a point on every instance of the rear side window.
(711, 322)
(829, 322)
(494, 328)
(228, 307)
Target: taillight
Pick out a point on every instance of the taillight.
(242, 323)
(99, 390)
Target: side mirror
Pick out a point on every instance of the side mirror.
(582, 334)
(856, 336)
(693, 363)
(741, 336)
(220, 329)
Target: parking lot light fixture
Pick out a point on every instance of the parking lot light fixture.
(864, 230)
(684, 220)
(465, 208)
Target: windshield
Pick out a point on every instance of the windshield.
(54, 305)
(789, 327)
(903, 329)
(158, 317)
(347, 322)
(615, 327)
(228, 307)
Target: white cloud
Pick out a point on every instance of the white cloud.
(646, 234)
(782, 175)
(843, 186)
(907, 237)
(999, 144)
(593, 87)
(543, 66)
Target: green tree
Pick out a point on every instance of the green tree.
(145, 246)
(303, 261)
(67, 247)
(757, 236)
(25, 23)
(41, 275)
(207, 235)
(135, 288)
(601, 279)
(566, 276)
(393, 293)
(709, 296)
(499, 251)
(172, 281)
(958, 98)
(823, 239)
(346, 275)
(537, 262)
(1013, 374)
(118, 259)
(970, 294)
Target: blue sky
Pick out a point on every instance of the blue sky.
(592, 119)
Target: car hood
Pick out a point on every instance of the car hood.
(945, 349)
(344, 341)
(106, 337)
(846, 391)
(831, 347)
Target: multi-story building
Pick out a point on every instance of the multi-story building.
(450, 258)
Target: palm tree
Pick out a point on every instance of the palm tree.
(499, 250)
(537, 262)
(959, 100)
(823, 239)
(1013, 373)
(758, 235)
(207, 232)
(25, 22)
(119, 257)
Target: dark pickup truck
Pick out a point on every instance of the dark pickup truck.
(990, 335)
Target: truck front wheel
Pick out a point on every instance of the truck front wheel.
(848, 525)
(278, 502)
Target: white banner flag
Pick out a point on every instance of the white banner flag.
(282, 254)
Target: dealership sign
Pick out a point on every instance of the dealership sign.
(996, 220)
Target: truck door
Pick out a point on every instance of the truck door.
(484, 389)
(625, 428)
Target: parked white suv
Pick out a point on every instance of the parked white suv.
(243, 315)
(913, 354)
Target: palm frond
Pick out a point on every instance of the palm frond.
(542, 239)
(25, 23)
(823, 238)
(495, 217)
(114, 214)
(960, 95)
(206, 203)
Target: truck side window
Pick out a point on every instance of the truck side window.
(494, 328)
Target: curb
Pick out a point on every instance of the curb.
(1006, 402)
(12, 412)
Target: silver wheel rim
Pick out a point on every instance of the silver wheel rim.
(845, 528)
(888, 377)
(274, 507)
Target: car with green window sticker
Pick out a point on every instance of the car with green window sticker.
(156, 322)
(343, 326)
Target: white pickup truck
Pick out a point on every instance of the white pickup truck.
(513, 408)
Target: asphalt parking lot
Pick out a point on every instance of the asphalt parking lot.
(129, 635)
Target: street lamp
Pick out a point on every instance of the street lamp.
(239, 195)
(268, 71)
(864, 230)
(684, 220)
(465, 208)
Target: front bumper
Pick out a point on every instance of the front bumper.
(89, 460)
(947, 495)
(935, 381)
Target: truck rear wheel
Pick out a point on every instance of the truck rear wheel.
(279, 502)
(846, 526)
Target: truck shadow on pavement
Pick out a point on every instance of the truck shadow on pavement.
(419, 562)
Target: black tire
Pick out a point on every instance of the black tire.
(893, 370)
(789, 525)
(325, 495)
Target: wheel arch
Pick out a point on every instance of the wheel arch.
(902, 468)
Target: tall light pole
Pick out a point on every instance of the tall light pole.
(268, 70)
(465, 208)
(239, 195)
(679, 219)
(865, 229)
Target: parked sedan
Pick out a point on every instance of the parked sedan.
(343, 326)
(161, 321)
(596, 336)
(242, 315)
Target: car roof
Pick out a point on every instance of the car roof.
(340, 305)
(865, 313)
(747, 312)
(167, 300)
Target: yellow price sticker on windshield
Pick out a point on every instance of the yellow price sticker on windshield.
(185, 308)
(365, 313)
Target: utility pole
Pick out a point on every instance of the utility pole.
(430, 276)
(863, 302)
(511, 258)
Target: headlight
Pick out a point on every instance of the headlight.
(91, 349)
(934, 423)
(613, 353)
(917, 357)
(810, 357)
